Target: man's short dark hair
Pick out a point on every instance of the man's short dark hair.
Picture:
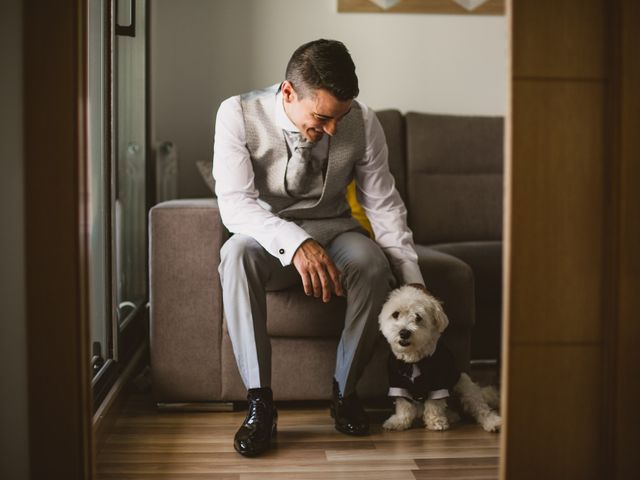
(323, 64)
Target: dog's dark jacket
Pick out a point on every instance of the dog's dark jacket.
(430, 378)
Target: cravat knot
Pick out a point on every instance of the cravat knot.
(302, 143)
(304, 173)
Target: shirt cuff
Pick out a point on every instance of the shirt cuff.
(399, 392)
(290, 237)
(411, 273)
(438, 394)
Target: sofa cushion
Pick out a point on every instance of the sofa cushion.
(454, 171)
(357, 211)
(290, 313)
(393, 125)
(485, 259)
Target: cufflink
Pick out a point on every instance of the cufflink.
(281, 251)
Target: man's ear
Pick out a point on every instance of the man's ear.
(288, 93)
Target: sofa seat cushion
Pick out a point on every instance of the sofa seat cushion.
(485, 259)
(290, 313)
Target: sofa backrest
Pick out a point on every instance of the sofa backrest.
(454, 177)
(393, 124)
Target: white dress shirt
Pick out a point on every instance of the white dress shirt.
(243, 212)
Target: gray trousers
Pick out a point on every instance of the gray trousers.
(248, 271)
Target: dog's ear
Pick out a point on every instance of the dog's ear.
(440, 318)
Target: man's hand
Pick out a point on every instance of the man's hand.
(319, 274)
(419, 286)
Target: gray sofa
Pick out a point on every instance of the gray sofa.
(448, 169)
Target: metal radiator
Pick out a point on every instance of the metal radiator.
(166, 171)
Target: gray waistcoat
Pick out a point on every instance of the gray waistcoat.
(322, 218)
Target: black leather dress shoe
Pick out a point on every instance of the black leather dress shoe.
(348, 413)
(259, 428)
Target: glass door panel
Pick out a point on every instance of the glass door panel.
(130, 210)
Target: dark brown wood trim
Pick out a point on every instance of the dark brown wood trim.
(627, 421)
(506, 249)
(611, 234)
(620, 418)
(55, 133)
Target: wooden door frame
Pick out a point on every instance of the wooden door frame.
(55, 152)
(611, 97)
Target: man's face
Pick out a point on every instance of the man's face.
(315, 114)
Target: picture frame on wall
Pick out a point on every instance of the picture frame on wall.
(464, 7)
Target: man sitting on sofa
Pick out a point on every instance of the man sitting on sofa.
(283, 158)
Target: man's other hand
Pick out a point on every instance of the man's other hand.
(319, 274)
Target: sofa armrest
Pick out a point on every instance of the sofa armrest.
(186, 300)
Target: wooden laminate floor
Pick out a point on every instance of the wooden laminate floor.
(147, 444)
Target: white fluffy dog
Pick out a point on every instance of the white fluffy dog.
(421, 369)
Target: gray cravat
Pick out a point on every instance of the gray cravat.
(304, 173)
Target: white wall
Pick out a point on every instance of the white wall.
(14, 462)
(205, 51)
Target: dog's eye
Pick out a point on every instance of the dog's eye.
(395, 314)
(418, 318)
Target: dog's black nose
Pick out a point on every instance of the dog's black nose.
(404, 334)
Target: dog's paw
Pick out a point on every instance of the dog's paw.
(396, 422)
(436, 423)
(492, 422)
